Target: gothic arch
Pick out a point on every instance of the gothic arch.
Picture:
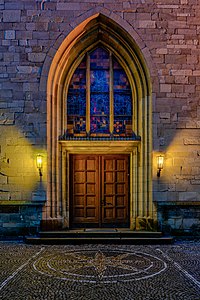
(98, 29)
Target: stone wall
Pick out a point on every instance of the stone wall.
(20, 218)
(179, 219)
(169, 34)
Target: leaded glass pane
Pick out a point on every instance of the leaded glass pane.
(76, 104)
(76, 101)
(99, 59)
(99, 104)
(76, 125)
(99, 91)
(99, 113)
(99, 81)
(122, 101)
(122, 104)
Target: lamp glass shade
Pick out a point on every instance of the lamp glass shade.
(160, 161)
(39, 161)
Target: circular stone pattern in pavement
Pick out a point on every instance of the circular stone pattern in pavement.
(100, 266)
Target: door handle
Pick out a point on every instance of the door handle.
(103, 202)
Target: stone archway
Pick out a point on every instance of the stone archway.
(95, 29)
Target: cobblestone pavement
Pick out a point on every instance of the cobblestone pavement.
(103, 272)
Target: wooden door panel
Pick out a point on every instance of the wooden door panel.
(79, 164)
(79, 213)
(121, 176)
(84, 189)
(120, 164)
(99, 190)
(120, 201)
(121, 213)
(91, 177)
(109, 177)
(91, 164)
(90, 200)
(120, 188)
(108, 164)
(90, 188)
(79, 177)
(108, 214)
(90, 214)
(109, 189)
(79, 189)
(79, 201)
(115, 191)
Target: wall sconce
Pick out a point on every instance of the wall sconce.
(39, 164)
(160, 162)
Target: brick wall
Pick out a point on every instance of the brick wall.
(31, 33)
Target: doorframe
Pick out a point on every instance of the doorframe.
(131, 148)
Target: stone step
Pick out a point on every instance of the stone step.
(99, 233)
(78, 236)
(96, 240)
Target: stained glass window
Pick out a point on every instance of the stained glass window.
(99, 91)
(76, 102)
(122, 101)
(99, 101)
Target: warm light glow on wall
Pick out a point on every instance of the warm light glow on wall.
(20, 180)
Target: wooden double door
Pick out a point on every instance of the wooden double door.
(99, 190)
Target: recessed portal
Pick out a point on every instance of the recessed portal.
(101, 107)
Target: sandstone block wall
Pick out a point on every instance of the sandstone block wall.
(31, 33)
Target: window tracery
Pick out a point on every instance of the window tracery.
(99, 99)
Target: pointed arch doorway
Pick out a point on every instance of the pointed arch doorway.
(91, 113)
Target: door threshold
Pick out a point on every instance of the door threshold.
(101, 230)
